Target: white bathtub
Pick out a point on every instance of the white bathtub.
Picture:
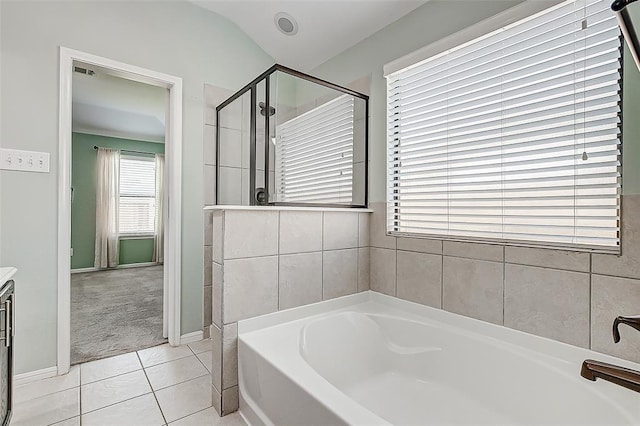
(371, 359)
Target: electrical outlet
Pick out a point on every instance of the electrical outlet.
(26, 161)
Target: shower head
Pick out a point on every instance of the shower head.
(262, 106)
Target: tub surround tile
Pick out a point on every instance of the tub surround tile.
(250, 233)
(300, 232)
(363, 229)
(422, 245)
(364, 267)
(547, 258)
(383, 270)
(209, 185)
(378, 228)
(230, 191)
(339, 273)
(208, 227)
(340, 230)
(473, 288)
(230, 400)
(208, 255)
(250, 288)
(216, 357)
(216, 289)
(217, 238)
(628, 263)
(419, 278)
(300, 279)
(547, 302)
(478, 251)
(216, 400)
(229, 356)
(208, 308)
(611, 297)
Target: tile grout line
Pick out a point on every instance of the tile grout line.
(151, 387)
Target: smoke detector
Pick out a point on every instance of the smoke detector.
(286, 23)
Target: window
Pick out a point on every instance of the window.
(314, 156)
(514, 136)
(137, 195)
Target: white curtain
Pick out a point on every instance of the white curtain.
(158, 243)
(107, 208)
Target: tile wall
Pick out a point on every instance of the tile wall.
(568, 296)
(269, 260)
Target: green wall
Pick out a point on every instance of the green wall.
(83, 206)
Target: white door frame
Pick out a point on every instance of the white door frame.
(173, 179)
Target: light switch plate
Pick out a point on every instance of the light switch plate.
(26, 161)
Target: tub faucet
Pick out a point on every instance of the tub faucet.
(625, 377)
(633, 321)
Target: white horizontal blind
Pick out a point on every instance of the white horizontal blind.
(513, 136)
(137, 195)
(314, 155)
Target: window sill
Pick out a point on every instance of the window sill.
(136, 236)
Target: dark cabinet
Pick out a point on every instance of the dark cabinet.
(7, 322)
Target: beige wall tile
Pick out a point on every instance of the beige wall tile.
(422, 245)
(339, 273)
(363, 269)
(547, 302)
(250, 288)
(209, 185)
(300, 232)
(209, 145)
(229, 356)
(419, 278)
(378, 228)
(300, 279)
(216, 364)
(208, 227)
(216, 302)
(229, 400)
(208, 309)
(363, 229)
(218, 237)
(250, 234)
(628, 264)
(612, 297)
(340, 230)
(473, 288)
(383, 270)
(478, 251)
(547, 258)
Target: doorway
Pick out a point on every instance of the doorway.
(129, 293)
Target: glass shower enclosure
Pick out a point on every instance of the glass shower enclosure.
(288, 138)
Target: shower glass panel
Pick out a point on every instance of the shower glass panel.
(295, 140)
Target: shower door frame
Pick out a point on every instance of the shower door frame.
(252, 87)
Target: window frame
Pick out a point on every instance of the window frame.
(483, 28)
(137, 235)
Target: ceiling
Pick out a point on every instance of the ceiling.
(326, 28)
(107, 105)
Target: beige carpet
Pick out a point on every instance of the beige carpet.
(115, 312)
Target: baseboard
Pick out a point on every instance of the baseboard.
(125, 266)
(196, 336)
(34, 376)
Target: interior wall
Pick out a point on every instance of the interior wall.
(83, 204)
(176, 38)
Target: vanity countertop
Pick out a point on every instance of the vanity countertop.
(6, 274)
(289, 208)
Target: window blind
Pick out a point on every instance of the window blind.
(314, 154)
(137, 195)
(514, 136)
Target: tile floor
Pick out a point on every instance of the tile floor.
(156, 386)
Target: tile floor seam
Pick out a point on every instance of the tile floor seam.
(184, 381)
(152, 391)
(184, 417)
(115, 403)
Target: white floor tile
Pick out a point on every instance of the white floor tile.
(186, 398)
(47, 409)
(207, 359)
(48, 386)
(142, 410)
(209, 417)
(201, 346)
(174, 372)
(163, 353)
(109, 367)
(74, 421)
(113, 390)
